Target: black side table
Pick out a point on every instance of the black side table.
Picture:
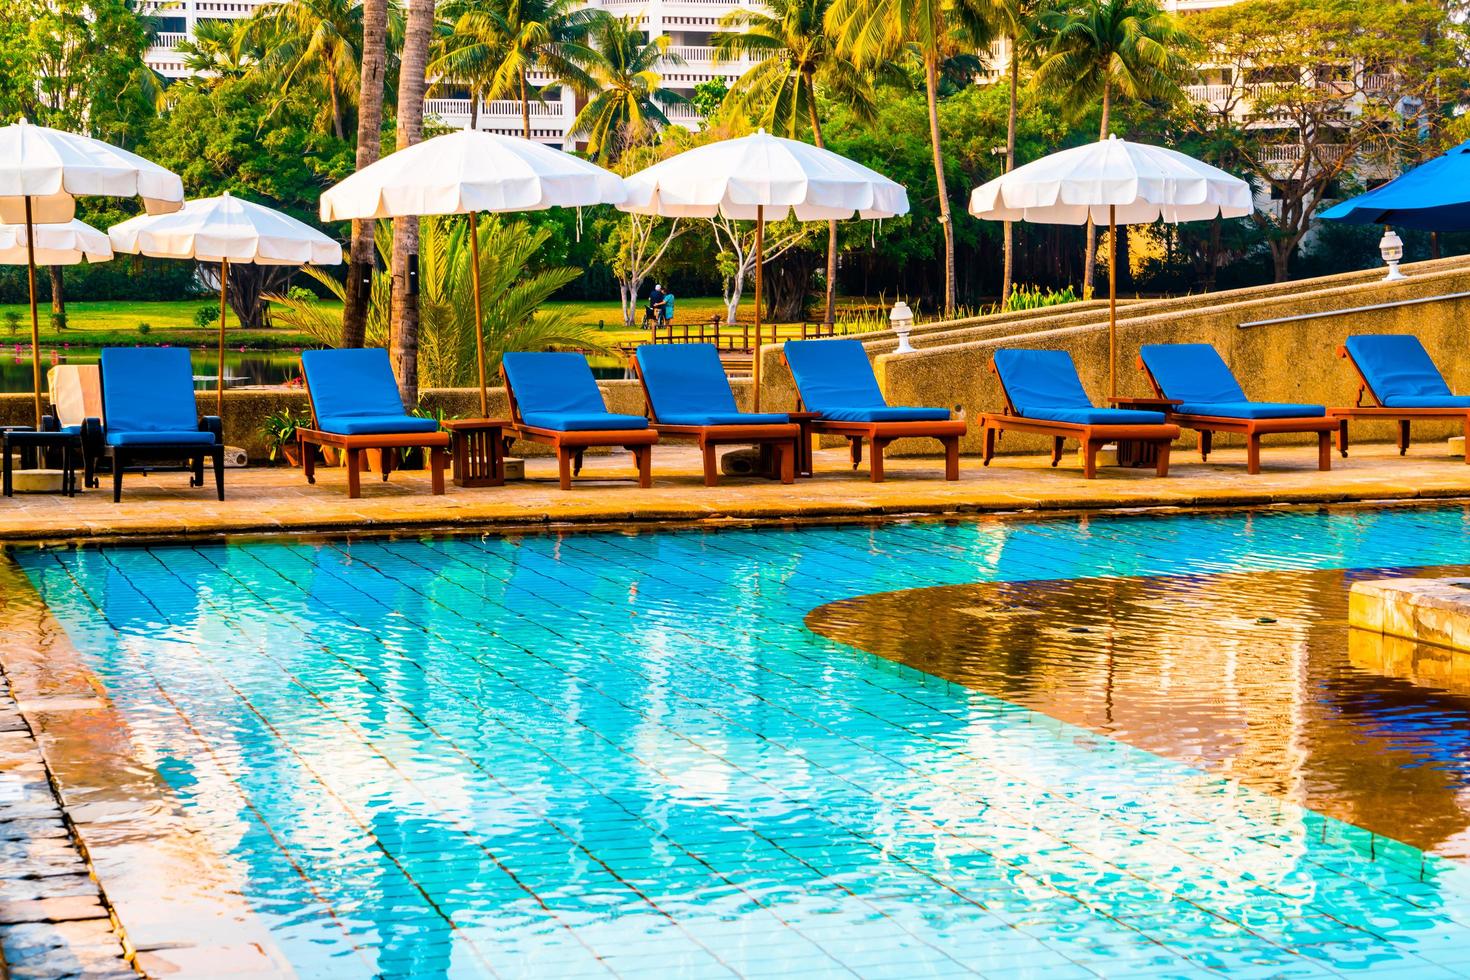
(33, 445)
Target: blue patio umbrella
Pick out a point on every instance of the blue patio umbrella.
(1434, 196)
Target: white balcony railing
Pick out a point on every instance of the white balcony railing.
(1209, 93)
(168, 41)
(497, 109)
(1290, 154)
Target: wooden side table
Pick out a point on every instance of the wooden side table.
(804, 422)
(1130, 451)
(479, 451)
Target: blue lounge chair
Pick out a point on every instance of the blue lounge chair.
(835, 378)
(1044, 396)
(555, 401)
(355, 406)
(1208, 399)
(150, 415)
(1399, 376)
(689, 397)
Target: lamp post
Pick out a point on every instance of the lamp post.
(901, 318)
(1391, 247)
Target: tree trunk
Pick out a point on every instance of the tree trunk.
(411, 85)
(525, 107)
(1007, 275)
(58, 291)
(1212, 255)
(829, 314)
(931, 89)
(1089, 257)
(337, 126)
(1281, 259)
(369, 140)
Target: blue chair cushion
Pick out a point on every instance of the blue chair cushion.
(1037, 380)
(886, 413)
(149, 389)
(1096, 416)
(687, 381)
(71, 430)
(375, 425)
(582, 421)
(352, 383)
(724, 418)
(1251, 410)
(833, 374)
(552, 384)
(181, 437)
(1397, 366)
(1428, 401)
(1192, 373)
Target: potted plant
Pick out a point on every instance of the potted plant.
(279, 429)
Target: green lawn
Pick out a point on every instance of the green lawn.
(98, 324)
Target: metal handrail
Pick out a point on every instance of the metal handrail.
(1351, 309)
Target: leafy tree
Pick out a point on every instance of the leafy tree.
(512, 293)
(369, 147)
(795, 53)
(630, 101)
(871, 32)
(219, 50)
(709, 97)
(493, 46)
(1098, 49)
(1322, 90)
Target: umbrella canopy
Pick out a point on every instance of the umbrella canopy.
(466, 172)
(68, 243)
(469, 171)
(763, 176)
(1434, 196)
(214, 229)
(225, 229)
(54, 168)
(1113, 182)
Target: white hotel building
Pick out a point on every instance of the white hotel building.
(687, 23)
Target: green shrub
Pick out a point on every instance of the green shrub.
(206, 316)
(145, 328)
(12, 322)
(58, 321)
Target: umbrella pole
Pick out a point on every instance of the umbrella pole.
(224, 304)
(479, 313)
(35, 318)
(760, 261)
(1112, 300)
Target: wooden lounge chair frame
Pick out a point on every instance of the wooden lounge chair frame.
(777, 442)
(1253, 429)
(880, 434)
(1403, 416)
(570, 445)
(435, 444)
(1090, 437)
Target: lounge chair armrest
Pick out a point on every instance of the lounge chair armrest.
(92, 433)
(50, 423)
(214, 424)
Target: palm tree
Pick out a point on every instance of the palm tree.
(630, 100)
(493, 46)
(1014, 18)
(412, 81)
(316, 41)
(871, 32)
(217, 50)
(793, 52)
(1096, 49)
(369, 145)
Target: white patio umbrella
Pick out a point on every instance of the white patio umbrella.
(42, 173)
(759, 178)
(68, 243)
(225, 229)
(466, 172)
(1116, 182)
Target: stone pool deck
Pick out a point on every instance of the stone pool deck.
(275, 499)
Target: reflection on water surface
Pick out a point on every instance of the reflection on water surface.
(1254, 675)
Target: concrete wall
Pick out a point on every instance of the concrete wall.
(1293, 362)
(246, 411)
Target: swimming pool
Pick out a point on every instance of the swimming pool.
(628, 754)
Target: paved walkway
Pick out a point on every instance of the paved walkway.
(271, 499)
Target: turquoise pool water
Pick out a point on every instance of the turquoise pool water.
(625, 754)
